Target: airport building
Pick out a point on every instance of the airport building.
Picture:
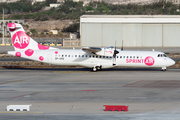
(130, 30)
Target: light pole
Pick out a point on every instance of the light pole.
(3, 27)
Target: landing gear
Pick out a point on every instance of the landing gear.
(96, 68)
(164, 69)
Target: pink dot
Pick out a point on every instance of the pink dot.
(41, 58)
(56, 52)
(42, 47)
(29, 52)
(18, 54)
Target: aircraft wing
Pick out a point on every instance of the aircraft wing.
(91, 50)
(107, 51)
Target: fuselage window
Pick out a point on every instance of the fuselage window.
(137, 57)
(89, 55)
(117, 57)
(127, 56)
(96, 56)
(93, 56)
(62, 55)
(82, 55)
(120, 56)
(65, 55)
(130, 56)
(106, 56)
(124, 56)
(69, 55)
(158, 55)
(99, 56)
(75, 55)
(79, 55)
(134, 57)
(103, 56)
(110, 57)
(86, 55)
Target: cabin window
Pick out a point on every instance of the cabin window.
(120, 56)
(96, 56)
(93, 56)
(124, 56)
(65, 55)
(127, 56)
(62, 55)
(106, 56)
(89, 55)
(134, 57)
(79, 55)
(69, 55)
(110, 57)
(117, 57)
(99, 56)
(130, 56)
(75, 55)
(103, 56)
(86, 55)
(137, 57)
(82, 55)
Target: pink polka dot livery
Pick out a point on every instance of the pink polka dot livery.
(29, 52)
(18, 54)
(42, 47)
(41, 58)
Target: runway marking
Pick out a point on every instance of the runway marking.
(132, 83)
(71, 71)
(137, 97)
(25, 95)
(18, 112)
(89, 90)
(11, 82)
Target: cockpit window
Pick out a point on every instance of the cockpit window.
(161, 55)
(164, 55)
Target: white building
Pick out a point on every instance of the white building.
(33, 1)
(54, 5)
(133, 30)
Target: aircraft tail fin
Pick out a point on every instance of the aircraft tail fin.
(22, 41)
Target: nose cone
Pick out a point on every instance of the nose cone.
(171, 62)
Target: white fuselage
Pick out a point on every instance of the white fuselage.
(77, 57)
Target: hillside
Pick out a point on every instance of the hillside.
(47, 25)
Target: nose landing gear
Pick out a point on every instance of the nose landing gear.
(164, 69)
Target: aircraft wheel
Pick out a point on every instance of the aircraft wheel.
(164, 70)
(99, 68)
(94, 69)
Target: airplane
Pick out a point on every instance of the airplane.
(90, 57)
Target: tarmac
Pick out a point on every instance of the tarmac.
(78, 93)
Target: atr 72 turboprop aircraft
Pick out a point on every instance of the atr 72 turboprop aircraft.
(90, 57)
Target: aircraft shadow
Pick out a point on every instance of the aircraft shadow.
(88, 69)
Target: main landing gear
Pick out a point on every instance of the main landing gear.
(97, 68)
(164, 69)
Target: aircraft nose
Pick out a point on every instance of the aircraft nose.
(172, 62)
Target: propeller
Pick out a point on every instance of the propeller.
(114, 54)
(122, 46)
